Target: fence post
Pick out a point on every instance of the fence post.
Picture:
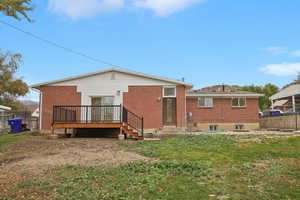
(296, 115)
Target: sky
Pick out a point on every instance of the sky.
(207, 42)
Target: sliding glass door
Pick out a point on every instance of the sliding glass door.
(102, 112)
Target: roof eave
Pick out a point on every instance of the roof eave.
(36, 86)
(224, 95)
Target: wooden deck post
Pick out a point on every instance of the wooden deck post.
(52, 130)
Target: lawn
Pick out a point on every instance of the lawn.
(186, 167)
(8, 138)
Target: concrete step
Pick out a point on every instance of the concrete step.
(170, 130)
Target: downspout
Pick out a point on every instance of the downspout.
(41, 110)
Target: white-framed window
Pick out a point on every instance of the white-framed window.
(238, 102)
(169, 91)
(207, 102)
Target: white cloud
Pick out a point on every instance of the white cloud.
(284, 69)
(83, 8)
(166, 7)
(87, 8)
(295, 53)
(276, 50)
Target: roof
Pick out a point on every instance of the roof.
(288, 91)
(4, 108)
(113, 70)
(222, 94)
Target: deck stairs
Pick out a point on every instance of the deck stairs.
(130, 131)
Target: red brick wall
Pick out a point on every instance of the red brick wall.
(143, 100)
(223, 112)
(147, 101)
(56, 95)
(181, 106)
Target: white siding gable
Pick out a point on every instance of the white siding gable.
(108, 84)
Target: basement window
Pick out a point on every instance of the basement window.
(239, 127)
(213, 127)
(239, 102)
(169, 91)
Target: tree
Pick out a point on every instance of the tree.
(267, 90)
(15, 8)
(10, 87)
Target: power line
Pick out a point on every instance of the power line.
(58, 45)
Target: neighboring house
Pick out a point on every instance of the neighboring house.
(223, 110)
(283, 105)
(4, 116)
(33, 109)
(291, 94)
(36, 112)
(4, 109)
(136, 102)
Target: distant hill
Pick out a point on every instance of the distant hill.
(221, 88)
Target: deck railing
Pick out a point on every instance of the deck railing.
(133, 120)
(87, 114)
(98, 114)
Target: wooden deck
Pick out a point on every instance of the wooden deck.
(98, 116)
(86, 125)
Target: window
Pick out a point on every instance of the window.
(239, 102)
(239, 127)
(207, 102)
(213, 127)
(169, 91)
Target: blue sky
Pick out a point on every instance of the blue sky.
(206, 41)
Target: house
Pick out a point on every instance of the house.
(4, 116)
(223, 110)
(138, 103)
(283, 105)
(33, 109)
(289, 93)
(4, 109)
(36, 113)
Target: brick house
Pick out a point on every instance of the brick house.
(136, 102)
(222, 110)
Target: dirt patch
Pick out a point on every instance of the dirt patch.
(35, 154)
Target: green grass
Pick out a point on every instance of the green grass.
(190, 167)
(8, 138)
(218, 150)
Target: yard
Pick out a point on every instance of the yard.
(185, 167)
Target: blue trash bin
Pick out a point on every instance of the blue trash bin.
(15, 125)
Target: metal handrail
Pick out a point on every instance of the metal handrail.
(133, 120)
(97, 114)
